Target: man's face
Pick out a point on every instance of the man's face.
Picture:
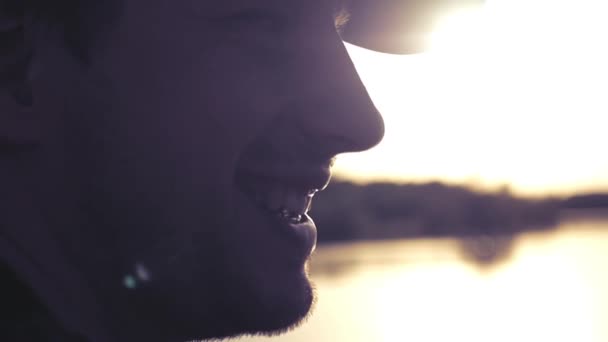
(195, 139)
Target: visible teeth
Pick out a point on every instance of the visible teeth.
(288, 203)
(284, 213)
(292, 217)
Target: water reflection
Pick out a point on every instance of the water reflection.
(487, 250)
(551, 287)
(484, 251)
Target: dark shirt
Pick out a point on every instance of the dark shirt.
(23, 318)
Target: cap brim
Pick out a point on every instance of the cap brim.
(396, 26)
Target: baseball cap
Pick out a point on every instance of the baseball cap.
(396, 26)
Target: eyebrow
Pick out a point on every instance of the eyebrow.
(341, 14)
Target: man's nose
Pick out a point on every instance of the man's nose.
(335, 111)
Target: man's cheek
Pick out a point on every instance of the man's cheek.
(256, 95)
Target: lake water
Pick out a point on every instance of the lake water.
(553, 287)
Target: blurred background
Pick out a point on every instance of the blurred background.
(483, 215)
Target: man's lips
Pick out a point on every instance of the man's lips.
(281, 242)
(283, 194)
(283, 185)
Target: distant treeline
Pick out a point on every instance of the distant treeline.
(587, 201)
(347, 211)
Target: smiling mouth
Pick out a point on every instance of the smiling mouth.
(279, 191)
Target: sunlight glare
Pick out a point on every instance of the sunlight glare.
(459, 30)
(511, 94)
(539, 298)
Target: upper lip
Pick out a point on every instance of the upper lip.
(298, 175)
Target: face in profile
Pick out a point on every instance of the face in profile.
(192, 144)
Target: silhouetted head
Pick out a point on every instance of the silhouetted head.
(158, 158)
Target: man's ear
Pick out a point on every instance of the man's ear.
(17, 125)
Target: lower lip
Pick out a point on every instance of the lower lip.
(299, 238)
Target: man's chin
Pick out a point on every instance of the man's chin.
(276, 312)
(257, 311)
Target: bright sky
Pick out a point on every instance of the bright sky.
(516, 93)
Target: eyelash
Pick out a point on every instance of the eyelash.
(341, 18)
(273, 23)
